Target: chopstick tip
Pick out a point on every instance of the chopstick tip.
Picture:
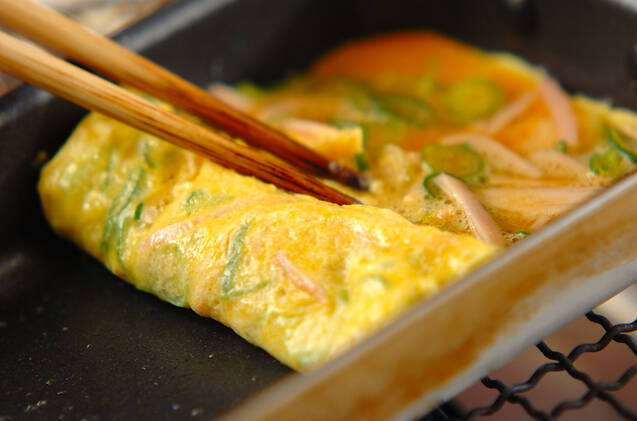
(348, 176)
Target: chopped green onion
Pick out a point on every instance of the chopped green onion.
(430, 187)
(606, 164)
(518, 235)
(361, 162)
(408, 109)
(357, 93)
(150, 147)
(237, 293)
(622, 143)
(118, 213)
(458, 160)
(235, 254)
(561, 146)
(194, 200)
(138, 211)
(200, 199)
(109, 171)
(472, 99)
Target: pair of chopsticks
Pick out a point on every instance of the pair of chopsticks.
(104, 56)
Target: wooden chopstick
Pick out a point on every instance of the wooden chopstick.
(77, 43)
(42, 69)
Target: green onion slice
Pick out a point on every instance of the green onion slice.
(473, 99)
(458, 160)
(362, 163)
(138, 211)
(561, 146)
(606, 164)
(408, 109)
(432, 188)
(622, 143)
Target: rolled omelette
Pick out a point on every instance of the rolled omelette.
(301, 278)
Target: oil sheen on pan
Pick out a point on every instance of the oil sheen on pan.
(468, 152)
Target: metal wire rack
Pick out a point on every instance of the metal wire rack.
(515, 393)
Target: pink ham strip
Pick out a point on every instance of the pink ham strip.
(562, 114)
(510, 112)
(482, 223)
(535, 204)
(556, 163)
(173, 231)
(498, 155)
(300, 279)
(170, 232)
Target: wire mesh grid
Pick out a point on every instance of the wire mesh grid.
(559, 362)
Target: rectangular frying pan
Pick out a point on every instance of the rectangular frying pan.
(76, 342)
